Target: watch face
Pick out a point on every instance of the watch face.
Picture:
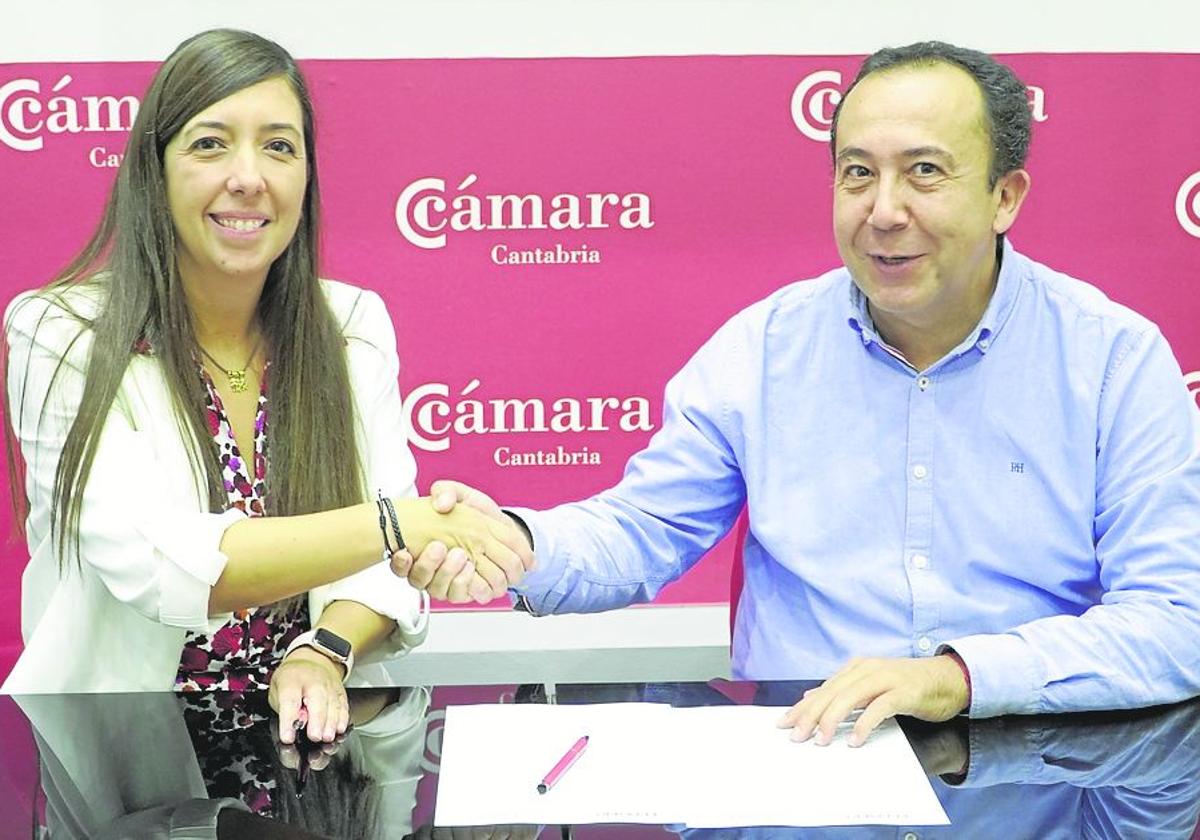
(333, 642)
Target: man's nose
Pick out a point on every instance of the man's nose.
(890, 208)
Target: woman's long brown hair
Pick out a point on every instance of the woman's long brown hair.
(130, 261)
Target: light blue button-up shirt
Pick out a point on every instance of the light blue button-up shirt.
(1031, 500)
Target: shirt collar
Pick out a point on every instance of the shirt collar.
(994, 316)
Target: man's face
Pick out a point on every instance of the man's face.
(913, 216)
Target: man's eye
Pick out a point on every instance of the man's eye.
(855, 171)
(925, 168)
(282, 147)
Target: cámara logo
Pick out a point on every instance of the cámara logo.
(818, 94)
(431, 415)
(1187, 205)
(425, 214)
(26, 116)
(813, 103)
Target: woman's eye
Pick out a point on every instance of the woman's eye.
(206, 144)
(282, 147)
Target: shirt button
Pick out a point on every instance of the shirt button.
(924, 643)
(983, 344)
(920, 471)
(911, 835)
(920, 561)
(922, 382)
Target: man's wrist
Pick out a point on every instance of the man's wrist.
(520, 523)
(953, 656)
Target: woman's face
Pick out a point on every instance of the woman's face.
(236, 175)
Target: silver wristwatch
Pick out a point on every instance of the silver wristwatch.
(328, 643)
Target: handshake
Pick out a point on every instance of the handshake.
(461, 547)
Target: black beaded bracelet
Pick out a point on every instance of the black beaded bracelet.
(395, 523)
(387, 548)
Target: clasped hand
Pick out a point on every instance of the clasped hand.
(474, 552)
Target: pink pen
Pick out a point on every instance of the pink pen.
(563, 765)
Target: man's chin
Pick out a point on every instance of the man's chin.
(892, 305)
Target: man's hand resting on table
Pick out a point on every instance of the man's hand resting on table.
(932, 688)
(450, 575)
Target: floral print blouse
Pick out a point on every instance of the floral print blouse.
(243, 653)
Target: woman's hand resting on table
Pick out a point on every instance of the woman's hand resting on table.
(308, 679)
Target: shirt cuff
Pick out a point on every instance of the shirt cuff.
(1003, 751)
(1004, 674)
(187, 579)
(536, 589)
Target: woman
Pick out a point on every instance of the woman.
(205, 425)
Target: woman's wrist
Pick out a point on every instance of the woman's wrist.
(388, 519)
(311, 654)
(414, 516)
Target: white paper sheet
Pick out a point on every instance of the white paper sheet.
(754, 774)
(713, 767)
(493, 757)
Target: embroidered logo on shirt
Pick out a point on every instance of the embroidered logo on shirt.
(1016, 466)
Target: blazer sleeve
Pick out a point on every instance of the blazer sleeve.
(388, 467)
(142, 531)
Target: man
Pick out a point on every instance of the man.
(980, 473)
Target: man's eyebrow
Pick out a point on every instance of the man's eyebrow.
(915, 152)
(930, 151)
(852, 152)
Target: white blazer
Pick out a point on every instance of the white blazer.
(148, 545)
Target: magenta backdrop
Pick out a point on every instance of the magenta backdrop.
(724, 180)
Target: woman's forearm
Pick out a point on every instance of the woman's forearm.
(358, 624)
(272, 558)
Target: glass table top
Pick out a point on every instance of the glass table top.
(169, 765)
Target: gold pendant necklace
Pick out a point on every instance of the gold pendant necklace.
(237, 378)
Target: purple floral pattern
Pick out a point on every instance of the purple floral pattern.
(243, 654)
(228, 733)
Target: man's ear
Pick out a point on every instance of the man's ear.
(1011, 189)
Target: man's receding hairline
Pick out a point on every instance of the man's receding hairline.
(928, 62)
